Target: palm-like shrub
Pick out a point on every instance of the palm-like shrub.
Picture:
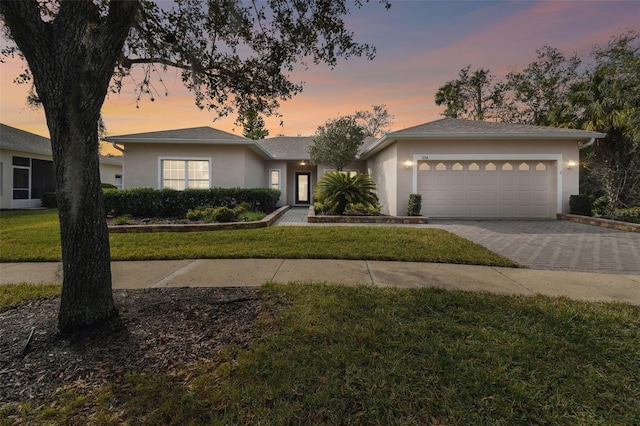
(339, 189)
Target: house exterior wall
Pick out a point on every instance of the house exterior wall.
(281, 167)
(255, 168)
(228, 164)
(384, 168)
(564, 150)
(108, 173)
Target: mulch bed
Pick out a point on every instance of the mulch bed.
(158, 330)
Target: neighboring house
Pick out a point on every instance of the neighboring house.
(462, 168)
(26, 168)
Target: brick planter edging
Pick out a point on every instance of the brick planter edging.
(198, 227)
(404, 220)
(605, 223)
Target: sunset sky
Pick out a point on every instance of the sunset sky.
(420, 46)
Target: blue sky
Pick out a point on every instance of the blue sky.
(420, 45)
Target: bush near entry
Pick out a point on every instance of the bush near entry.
(147, 202)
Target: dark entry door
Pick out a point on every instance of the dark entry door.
(303, 188)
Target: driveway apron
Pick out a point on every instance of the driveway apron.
(554, 244)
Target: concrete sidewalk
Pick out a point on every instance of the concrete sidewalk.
(255, 272)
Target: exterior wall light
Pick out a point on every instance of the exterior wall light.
(571, 164)
(408, 164)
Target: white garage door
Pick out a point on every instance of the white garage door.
(487, 189)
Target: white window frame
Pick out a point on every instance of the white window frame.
(348, 172)
(279, 178)
(185, 159)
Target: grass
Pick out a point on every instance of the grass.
(361, 355)
(15, 294)
(34, 236)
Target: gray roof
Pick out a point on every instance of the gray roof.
(454, 128)
(203, 134)
(21, 141)
(297, 147)
(287, 147)
(458, 127)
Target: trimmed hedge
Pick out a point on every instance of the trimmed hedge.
(414, 205)
(147, 202)
(581, 204)
(49, 200)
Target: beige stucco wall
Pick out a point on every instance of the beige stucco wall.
(384, 167)
(281, 166)
(231, 166)
(407, 150)
(108, 173)
(255, 170)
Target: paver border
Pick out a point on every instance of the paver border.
(603, 223)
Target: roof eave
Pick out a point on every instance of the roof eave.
(388, 139)
(118, 140)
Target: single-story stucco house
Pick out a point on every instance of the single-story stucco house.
(26, 168)
(462, 168)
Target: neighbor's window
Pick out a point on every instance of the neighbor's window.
(185, 174)
(274, 178)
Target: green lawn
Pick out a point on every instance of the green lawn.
(360, 355)
(34, 236)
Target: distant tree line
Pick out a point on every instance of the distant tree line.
(597, 93)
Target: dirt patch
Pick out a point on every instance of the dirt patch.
(157, 331)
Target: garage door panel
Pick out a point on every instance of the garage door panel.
(519, 189)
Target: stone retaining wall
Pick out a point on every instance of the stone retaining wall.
(605, 223)
(407, 220)
(199, 227)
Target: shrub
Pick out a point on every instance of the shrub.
(146, 202)
(224, 214)
(108, 186)
(122, 220)
(49, 200)
(359, 209)
(248, 216)
(629, 215)
(216, 214)
(601, 206)
(339, 189)
(414, 205)
(581, 204)
(323, 208)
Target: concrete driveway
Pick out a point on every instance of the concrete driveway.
(553, 244)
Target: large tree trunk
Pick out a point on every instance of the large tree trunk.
(72, 59)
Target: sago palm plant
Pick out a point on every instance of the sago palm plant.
(339, 189)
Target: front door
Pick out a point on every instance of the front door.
(303, 188)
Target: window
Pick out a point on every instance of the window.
(118, 181)
(441, 166)
(457, 167)
(474, 167)
(507, 167)
(274, 179)
(32, 178)
(523, 167)
(185, 174)
(350, 173)
(541, 167)
(490, 167)
(423, 165)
